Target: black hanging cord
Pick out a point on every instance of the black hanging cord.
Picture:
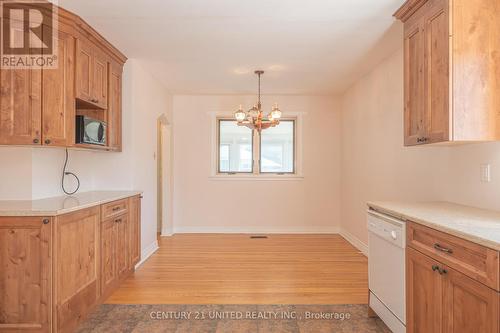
(64, 174)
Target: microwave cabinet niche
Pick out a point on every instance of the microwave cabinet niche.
(38, 107)
(55, 270)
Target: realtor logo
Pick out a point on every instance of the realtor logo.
(28, 34)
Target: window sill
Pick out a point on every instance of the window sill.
(239, 177)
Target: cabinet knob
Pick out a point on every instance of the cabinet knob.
(118, 220)
(46, 221)
(36, 141)
(435, 268)
(47, 142)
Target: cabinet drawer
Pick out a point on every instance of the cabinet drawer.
(473, 260)
(114, 208)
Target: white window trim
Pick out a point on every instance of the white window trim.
(214, 175)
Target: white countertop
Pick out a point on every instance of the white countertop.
(476, 225)
(61, 205)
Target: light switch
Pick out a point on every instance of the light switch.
(485, 173)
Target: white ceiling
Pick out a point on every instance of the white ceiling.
(213, 46)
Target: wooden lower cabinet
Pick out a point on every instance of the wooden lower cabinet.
(55, 270)
(76, 263)
(25, 274)
(135, 230)
(443, 300)
(424, 290)
(469, 306)
(116, 248)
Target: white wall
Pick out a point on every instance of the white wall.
(202, 204)
(28, 173)
(376, 166)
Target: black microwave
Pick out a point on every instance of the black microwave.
(90, 131)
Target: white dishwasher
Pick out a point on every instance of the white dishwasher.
(386, 269)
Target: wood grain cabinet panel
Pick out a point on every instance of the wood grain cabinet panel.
(91, 75)
(452, 63)
(25, 274)
(84, 70)
(100, 81)
(135, 230)
(469, 306)
(115, 107)
(58, 111)
(424, 290)
(448, 282)
(122, 245)
(108, 250)
(479, 262)
(20, 103)
(414, 114)
(77, 266)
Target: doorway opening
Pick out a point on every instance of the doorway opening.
(164, 177)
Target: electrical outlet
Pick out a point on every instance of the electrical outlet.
(485, 173)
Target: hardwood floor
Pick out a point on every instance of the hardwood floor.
(234, 269)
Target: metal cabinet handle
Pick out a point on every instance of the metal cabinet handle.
(47, 142)
(36, 141)
(116, 208)
(439, 269)
(422, 140)
(443, 249)
(46, 221)
(118, 220)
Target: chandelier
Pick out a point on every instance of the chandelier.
(254, 118)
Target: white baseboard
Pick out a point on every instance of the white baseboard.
(354, 241)
(257, 230)
(147, 252)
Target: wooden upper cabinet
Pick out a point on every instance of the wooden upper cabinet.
(115, 107)
(84, 70)
(100, 82)
(58, 108)
(25, 274)
(39, 106)
(452, 91)
(20, 104)
(91, 75)
(414, 113)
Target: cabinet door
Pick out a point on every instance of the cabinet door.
(25, 274)
(100, 80)
(108, 250)
(423, 294)
(122, 245)
(414, 108)
(437, 68)
(58, 110)
(84, 70)
(135, 231)
(77, 265)
(469, 306)
(20, 103)
(115, 107)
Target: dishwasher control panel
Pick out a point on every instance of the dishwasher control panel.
(388, 228)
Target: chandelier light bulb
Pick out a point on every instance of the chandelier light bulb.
(240, 115)
(276, 112)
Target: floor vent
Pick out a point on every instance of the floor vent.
(258, 237)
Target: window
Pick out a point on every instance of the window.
(235, 148)
(277, 151)
(241, 150)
